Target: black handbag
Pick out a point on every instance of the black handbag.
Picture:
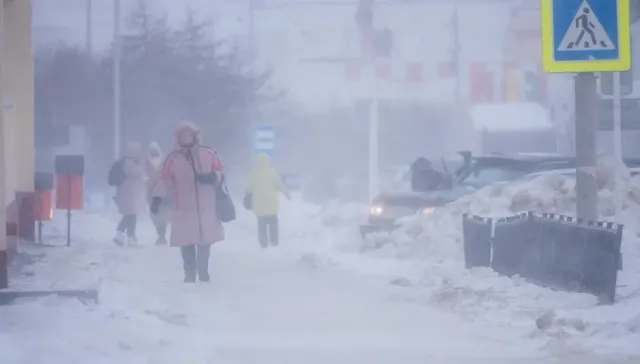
(225, 208)
(247, 202)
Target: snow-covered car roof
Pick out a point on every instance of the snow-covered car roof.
(523, 162)
(569, 172)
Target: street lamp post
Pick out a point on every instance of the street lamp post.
(117, 50)
(4, 258)
(251, 107)
(89, 27)
(456, 56)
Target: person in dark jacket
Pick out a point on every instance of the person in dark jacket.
(424, 177)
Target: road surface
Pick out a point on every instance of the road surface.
(260, 307)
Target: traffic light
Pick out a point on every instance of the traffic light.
(626, 83)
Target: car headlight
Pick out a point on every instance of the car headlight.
(376, 210)
(427, 210)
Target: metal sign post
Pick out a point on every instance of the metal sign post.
(586, 149)
(586, 36)
(617, 144)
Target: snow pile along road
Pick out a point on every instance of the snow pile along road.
(426, 254)
(323, 229)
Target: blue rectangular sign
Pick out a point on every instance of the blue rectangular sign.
(586, 35)
(264, 139)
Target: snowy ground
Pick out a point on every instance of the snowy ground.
(320, 298)
(426, 258)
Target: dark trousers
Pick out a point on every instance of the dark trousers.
(195, 259)
(161, 229)
(268, 231)
(128, 224)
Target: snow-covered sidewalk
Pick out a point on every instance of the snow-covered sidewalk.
(258, 308)
(261, 307)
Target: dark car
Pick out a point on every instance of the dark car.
(475, 173)
(497, 168)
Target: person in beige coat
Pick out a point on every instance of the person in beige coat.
(153, 168)
(128, 192)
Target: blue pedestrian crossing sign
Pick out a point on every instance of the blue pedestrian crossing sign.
(264, 139)
(586, 35)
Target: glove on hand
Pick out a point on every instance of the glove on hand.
(207, 178)
(155, 205)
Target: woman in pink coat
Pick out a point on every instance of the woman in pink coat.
(189, 177)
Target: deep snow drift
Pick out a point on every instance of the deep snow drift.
(426, 256)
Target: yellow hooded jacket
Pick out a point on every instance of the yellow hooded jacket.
(264, 185)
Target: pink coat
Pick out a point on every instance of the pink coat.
(193, 218)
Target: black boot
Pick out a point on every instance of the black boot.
(274, 231)
(189, 263)
(204, 251)
(263, 237)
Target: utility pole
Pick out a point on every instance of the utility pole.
(4, 258)
(374, 144)
(252, 55)
(451, 128)
(89, 27)
(456, 56)
(369, 52)
(586, 104)
(117, 55)
(251, 30)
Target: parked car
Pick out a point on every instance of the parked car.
(398, 178)
(473, 174)
(571, 172)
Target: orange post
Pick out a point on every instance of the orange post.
(43, 209)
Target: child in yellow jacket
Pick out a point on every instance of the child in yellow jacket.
(265, 184)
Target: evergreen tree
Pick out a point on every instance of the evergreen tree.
(167, 74)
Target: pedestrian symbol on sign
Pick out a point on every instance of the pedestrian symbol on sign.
(586, 32)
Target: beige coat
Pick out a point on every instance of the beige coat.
(129, 193)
